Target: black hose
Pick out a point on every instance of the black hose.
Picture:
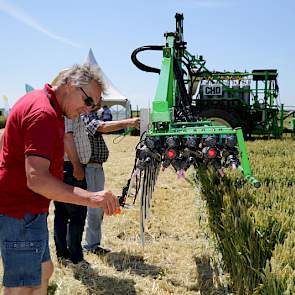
(142, 66)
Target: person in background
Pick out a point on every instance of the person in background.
(69, 219)
(106, 114)
(93, 148)
(95, 177)
(31, 173)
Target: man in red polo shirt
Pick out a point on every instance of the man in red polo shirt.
(31, 173)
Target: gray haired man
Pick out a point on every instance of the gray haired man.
(31, 173)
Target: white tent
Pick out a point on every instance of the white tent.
(113, 98)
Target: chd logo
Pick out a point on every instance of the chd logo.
(212, 90)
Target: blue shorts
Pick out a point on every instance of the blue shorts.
(24, 247)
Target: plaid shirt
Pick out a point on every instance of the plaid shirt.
(81, 140)
(99, 149)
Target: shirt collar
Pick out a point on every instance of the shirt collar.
(53, 101)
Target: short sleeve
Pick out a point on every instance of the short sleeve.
(40, 134)
(68, 125)
(91, 122)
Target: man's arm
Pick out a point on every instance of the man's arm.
(42, 182)
(70, 149)
(110, 126)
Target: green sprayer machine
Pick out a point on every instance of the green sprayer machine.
(179, 135)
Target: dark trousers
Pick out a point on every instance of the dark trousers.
(69, 221)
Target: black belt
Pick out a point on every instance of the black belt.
(96, 162)
(70, 163)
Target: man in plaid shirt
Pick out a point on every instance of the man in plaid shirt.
(69, 219)
(94, 173)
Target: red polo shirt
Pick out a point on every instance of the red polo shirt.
(35, 126)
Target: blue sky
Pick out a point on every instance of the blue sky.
(39, 38)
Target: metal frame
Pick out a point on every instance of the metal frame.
(162, 120)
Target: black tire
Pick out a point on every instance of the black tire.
(232, 120)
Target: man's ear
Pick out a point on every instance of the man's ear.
(68, 87)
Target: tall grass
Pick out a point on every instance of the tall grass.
(255, 229)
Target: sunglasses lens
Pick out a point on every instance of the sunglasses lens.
(88, 101)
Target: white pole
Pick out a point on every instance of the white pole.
(144, 120)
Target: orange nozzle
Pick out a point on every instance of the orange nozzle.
(118, 211)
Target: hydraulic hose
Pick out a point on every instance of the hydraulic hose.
(142, 66)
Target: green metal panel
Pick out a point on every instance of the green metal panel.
(163, 100)
(281, 131)
(246, 169)
(167, 105)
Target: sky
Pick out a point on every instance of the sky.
(40, 38)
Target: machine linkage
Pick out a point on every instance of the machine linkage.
(176, 136)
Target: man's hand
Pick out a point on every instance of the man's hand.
(78, 171)
(105, 200)
(110, 126)
(134, 122)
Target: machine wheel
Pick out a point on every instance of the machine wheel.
(225, 118)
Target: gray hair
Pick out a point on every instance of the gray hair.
(81, 75)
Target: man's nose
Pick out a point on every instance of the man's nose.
(86, 109)
(98, 103)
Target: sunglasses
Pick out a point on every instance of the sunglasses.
(88, 101)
